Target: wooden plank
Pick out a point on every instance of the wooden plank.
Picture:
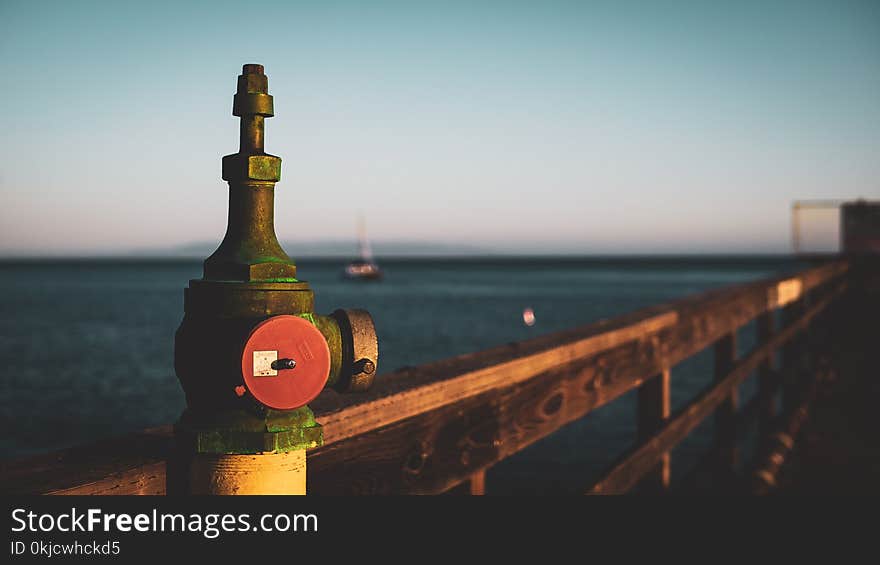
(475, 485)
(812, 278)
(419, 390)
(767, 381)
(776, 448)
(792, 357)
(478, 483)
(408, 393)
(653, 409)
(407, 403)
(627, 472)
(703, 476)
(438, 449)
(427, 453)
(145, 479)
(785, 292)
(725, 352)
(130, 464)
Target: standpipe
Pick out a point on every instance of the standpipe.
(250, 352)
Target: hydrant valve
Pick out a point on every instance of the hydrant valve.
(285, 362)
(251, 352)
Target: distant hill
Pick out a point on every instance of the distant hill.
(333, 248)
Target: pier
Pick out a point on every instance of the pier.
(281, 399)
(439, 427)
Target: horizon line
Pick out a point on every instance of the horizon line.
(443, 257)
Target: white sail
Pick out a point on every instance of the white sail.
(364, 268)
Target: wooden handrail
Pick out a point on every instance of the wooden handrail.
(473, 381)
(429, 428)
(625, 474)
(434, 450)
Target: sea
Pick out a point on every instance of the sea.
(86, 345)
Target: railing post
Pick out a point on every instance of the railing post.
(478, 483)
(725, 415)
(767, 379)
(815, 332)
(653, 412)
(791, 355)
(473, 485)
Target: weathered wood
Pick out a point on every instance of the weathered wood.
(517, 416)
(436, 450)
(145, 479)
(653, 409)
(633, 465)
(130, 464)
(478, 483)
(778, 446)
(703, 476)
(429, 428)
(792, 361)
(767, 381)
(410, 392)
(725, 352)
(475, 485)
(502, 372)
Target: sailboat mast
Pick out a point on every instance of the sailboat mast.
(364, 243)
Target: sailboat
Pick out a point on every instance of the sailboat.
(364, 268)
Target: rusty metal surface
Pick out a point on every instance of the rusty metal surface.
(250, 250)
(360, 354)
(248, 281)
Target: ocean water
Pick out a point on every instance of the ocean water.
(86, 346)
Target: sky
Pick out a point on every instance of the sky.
(533, 127)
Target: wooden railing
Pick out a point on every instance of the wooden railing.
(439, 426)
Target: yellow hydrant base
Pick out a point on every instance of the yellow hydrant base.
(266, 473)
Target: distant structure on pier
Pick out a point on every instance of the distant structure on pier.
(857, 226)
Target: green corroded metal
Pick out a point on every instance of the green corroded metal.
(251, 167)
(250, 251)
(329, 328)
(235, 299)
(248, 279)
(241, 432)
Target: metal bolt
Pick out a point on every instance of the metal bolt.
(281, 364)
(365, 366)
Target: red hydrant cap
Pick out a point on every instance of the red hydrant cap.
(286, 362)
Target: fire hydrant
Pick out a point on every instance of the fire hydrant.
(251, 353)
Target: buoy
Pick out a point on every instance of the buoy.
(529, 317)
